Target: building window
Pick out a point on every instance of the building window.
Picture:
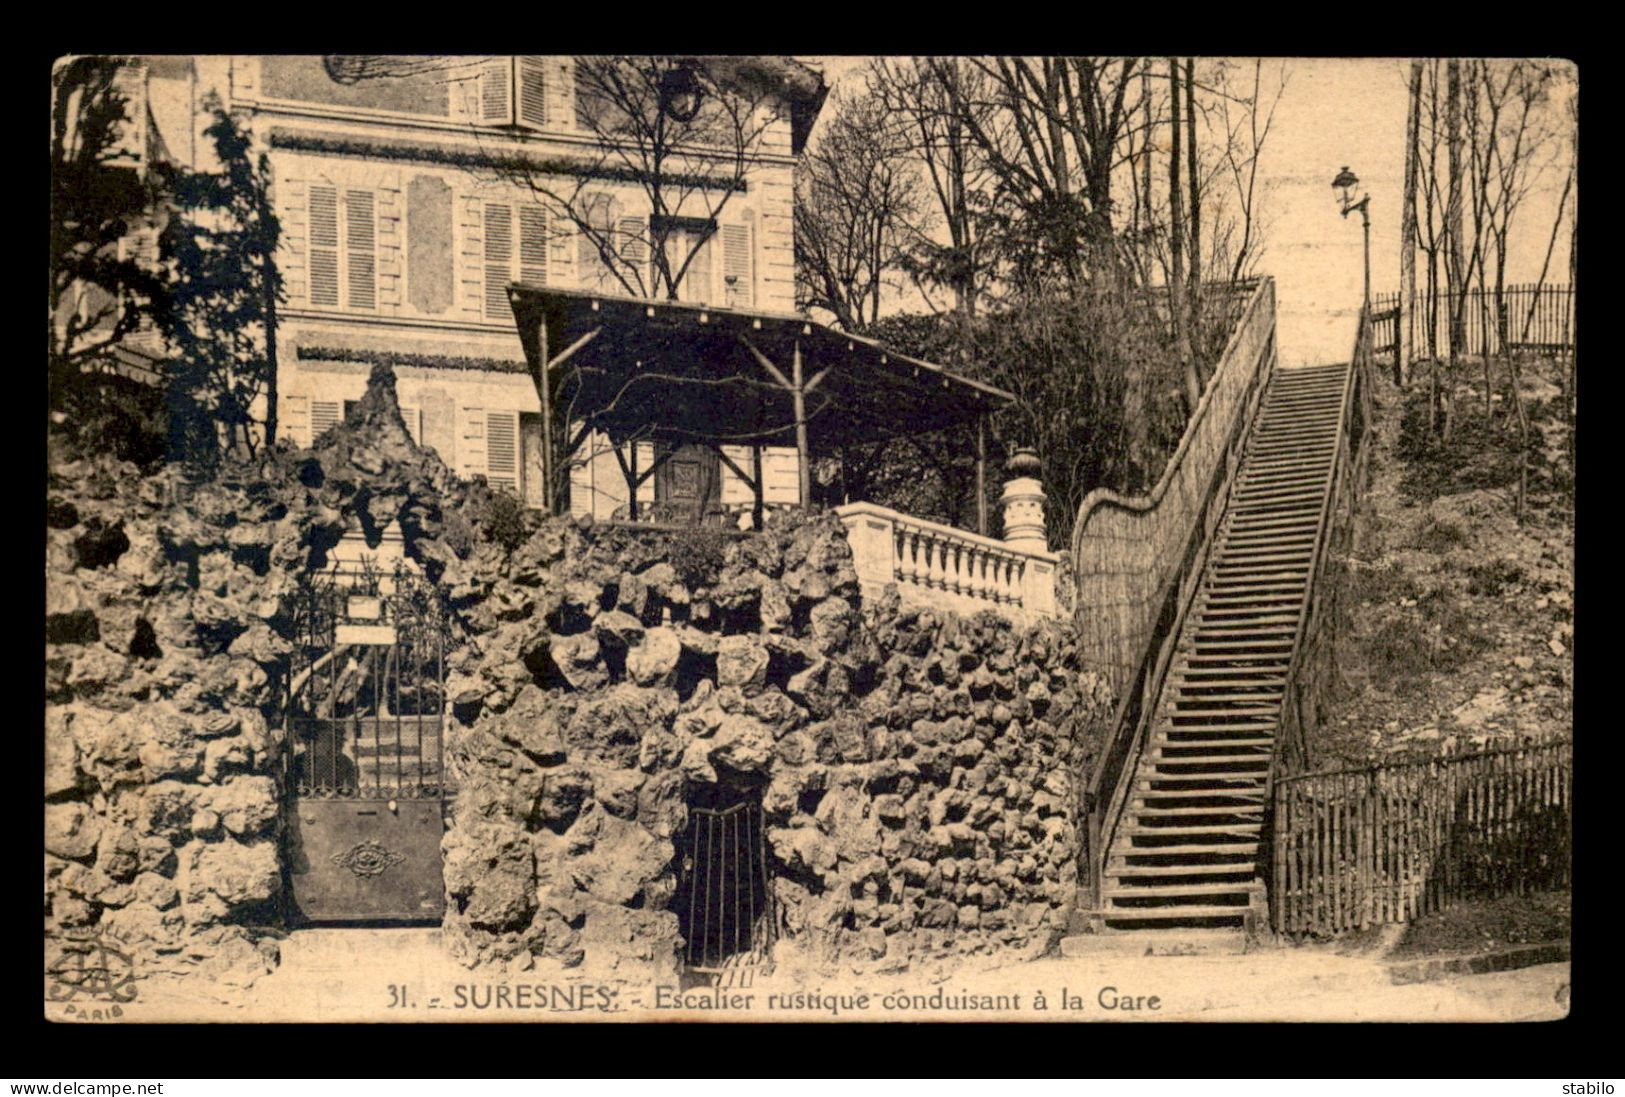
(343, 248)
(513, 91)
(516, 249)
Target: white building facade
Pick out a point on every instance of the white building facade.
(399, 243)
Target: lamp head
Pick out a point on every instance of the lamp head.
(680, 93)
(1345, 185)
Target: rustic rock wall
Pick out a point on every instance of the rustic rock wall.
(918, 770)
(166, 624)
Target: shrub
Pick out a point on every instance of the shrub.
(1493, 577)
(504, 520)
(697, 554)
(1437, 535)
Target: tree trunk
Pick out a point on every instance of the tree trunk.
(270, 357)
(1196, 195)
(1145, 166)
(1455, 290)
(1406, 320)
(1176, 231)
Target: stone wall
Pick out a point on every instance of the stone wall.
(918, 770)
(166, 623)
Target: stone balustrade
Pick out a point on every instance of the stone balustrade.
(941, 567)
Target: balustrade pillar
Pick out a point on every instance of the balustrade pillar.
(1023, 503)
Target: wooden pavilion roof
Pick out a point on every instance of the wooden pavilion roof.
(687, 372)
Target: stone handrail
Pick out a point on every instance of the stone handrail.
(1125, 548)
(937, 566)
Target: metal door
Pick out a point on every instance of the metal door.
(364, 751)
(724, 897)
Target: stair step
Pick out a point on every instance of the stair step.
(1232, 761)
(1225, 713)
(1193, 849)
(1204, 675)
(1309, 517)
(1265, 598)
(1152, 872)
(1241, 614)
(1152, 891)
(1239, 830)
(1249, 569)
(1161, 740)
(1148, 813)
(1270, 699)
(1170, 914)
(1242, 584)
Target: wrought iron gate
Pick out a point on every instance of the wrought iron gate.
(724, 900)
(364, 750)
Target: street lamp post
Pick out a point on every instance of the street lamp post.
(1346, 184)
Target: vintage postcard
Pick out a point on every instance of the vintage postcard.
(782, 538)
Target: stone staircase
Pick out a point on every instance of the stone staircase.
(1186, 851)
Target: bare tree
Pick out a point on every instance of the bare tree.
(1456, 287)
(1053, 142)
(858, 200)
(686, 132)
(1407, 233)
(920, 96)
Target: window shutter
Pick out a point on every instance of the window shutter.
(323, 414)
(781, 475)
(634, 251)
(498, 259)
(361, 249)
(594, 269)
(324, 246)
(495, 105)
(502, 450)
(734, 490)
(697, 282)
(533, 244)
(738, 268)
(413, 418)
(533, 91)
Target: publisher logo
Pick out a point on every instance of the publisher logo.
(91, 966)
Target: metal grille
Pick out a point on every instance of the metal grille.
(724, 900)
(366, 700)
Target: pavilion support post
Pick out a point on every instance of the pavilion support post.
(798, 395)
(981, 473)
(632, 479)
(759, 505)
(544, 390)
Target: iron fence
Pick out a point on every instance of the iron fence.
(1520, 317)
